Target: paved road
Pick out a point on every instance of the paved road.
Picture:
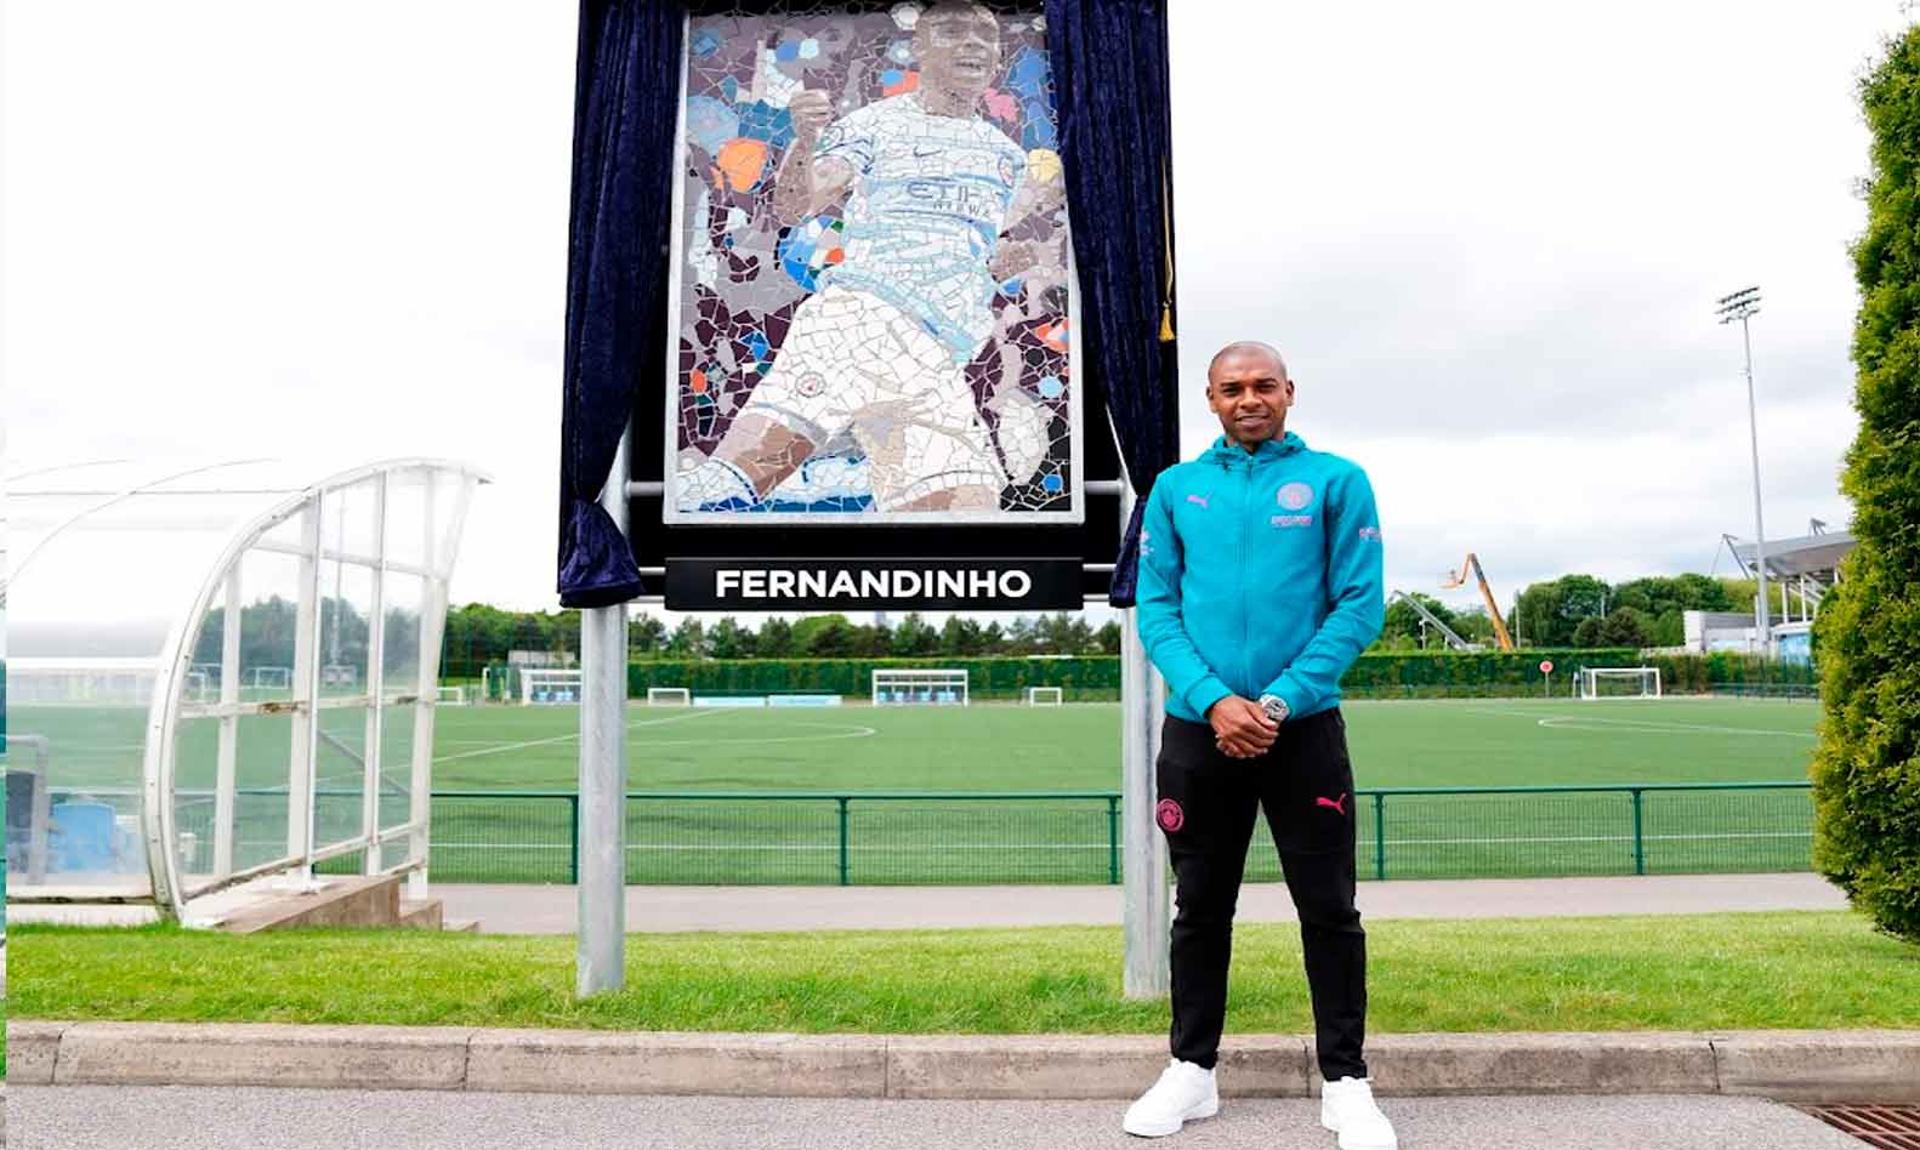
(551, 909)
(527, 909)
(177, 1118)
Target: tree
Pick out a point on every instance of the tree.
(1107, 638)
(1403, 622)
(645, 635)
(824, 637)
(1474, 625)
(1866, 768)
(1664, 601)
(689, 640)
(729, 640)
(961, 637)
(915, 637)
(776, 639)
(1550, 611)
(873, 640)
(1625, 627)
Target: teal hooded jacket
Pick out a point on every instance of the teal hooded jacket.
(1260, 574)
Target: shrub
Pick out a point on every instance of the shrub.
(1866, 769)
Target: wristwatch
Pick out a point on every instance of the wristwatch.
(1275, 707)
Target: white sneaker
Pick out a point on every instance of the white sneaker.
(1185, 1091)
(1347, 1108)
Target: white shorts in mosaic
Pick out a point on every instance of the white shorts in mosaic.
(853, 364)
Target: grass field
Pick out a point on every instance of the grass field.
(1670, 973)
(1484, 742)
(988, 751)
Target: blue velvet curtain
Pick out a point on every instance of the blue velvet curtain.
(626, 100)
(1110, 82)
(1110, 73)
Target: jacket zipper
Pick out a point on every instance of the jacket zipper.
(1246, 615)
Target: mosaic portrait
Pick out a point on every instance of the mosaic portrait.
(872, 297)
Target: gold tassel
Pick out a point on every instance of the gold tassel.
(1166, 240)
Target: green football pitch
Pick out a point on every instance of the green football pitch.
(761, 795)
(1478, 742)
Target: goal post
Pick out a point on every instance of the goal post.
(1045, 696)
(549, 685)
(669, 697)
(271, 678)
(893, 686)
(450, 696)
(1619, 682)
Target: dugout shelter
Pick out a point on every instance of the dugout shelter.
(220, 678)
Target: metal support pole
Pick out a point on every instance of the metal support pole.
(600, 954)
(846, 861)
(1147, 913)
(1379, 836)
(1639, 836)
(1759, 524)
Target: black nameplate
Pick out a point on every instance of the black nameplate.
(873, 584)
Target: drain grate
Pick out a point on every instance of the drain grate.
(1884, 1127)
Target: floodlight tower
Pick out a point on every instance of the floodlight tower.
(1743, 305)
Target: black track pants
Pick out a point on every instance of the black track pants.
(1206, 809)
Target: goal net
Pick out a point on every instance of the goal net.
(1045, 696)
(270, 678)
(669, 697)
(916, 687)
(1619, 682)
(450, 696)
(550, 685)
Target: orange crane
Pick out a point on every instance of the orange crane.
(1459, 579)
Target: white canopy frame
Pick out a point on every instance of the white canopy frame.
(442, 528)
(368, 551)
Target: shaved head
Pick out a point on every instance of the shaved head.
(1249, 389)
(1247, 347)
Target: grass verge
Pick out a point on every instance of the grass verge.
(1787, 970)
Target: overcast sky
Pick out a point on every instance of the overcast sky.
(1488, 237)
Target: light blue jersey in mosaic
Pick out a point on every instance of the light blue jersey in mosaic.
(929, 199)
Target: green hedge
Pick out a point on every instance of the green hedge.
(1866, 770)
(1093, 678)
(1087, 679)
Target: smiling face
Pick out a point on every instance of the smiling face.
(1248, 388)
(958, 46)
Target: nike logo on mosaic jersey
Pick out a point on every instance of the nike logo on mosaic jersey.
(1200, 499)
(1339, 804)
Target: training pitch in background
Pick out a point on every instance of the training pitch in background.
(872, 293)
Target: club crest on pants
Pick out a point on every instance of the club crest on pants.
(1170, 816)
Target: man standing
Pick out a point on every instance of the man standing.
(1260, 581)
(878, 356)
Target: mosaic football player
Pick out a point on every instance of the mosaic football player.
(1260, 582)
(878, 354)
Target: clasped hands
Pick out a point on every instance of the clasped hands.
(1241, 729)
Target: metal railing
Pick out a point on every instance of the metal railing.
(709, 837)
(945, 837)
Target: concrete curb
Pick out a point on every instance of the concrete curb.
(1863, 1066)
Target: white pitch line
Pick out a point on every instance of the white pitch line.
(847, 733)
(1578, 722)
(1590, 722)
(503, 748)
